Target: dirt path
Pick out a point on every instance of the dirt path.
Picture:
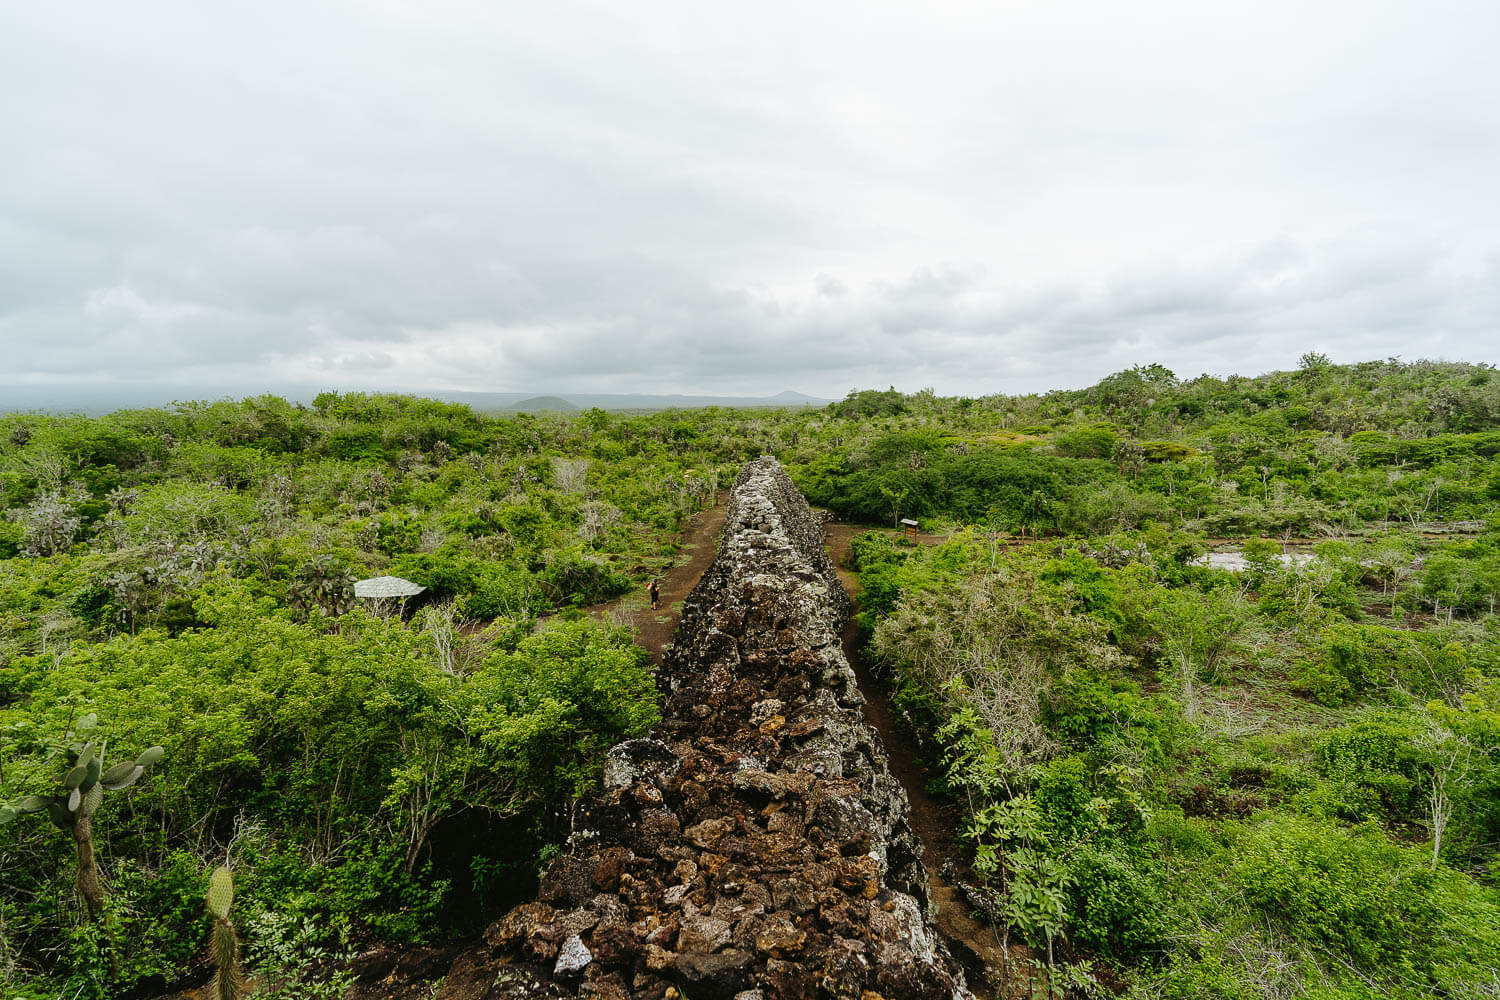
(973, 941)
(698, 544)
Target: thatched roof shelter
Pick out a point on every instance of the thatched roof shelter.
(386, 587)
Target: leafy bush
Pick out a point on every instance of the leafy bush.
(580, 578)
(325, 739)
(1377, 905)
(1097, 441)
(1354, 659)
(1118, 908)
(1377, 766)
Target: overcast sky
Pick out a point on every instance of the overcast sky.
(665, 197)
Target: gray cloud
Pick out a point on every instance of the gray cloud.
(464, 195)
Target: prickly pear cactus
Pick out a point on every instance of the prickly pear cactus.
(224, 944)
(83, 785)
(77, 797)
(220, 893)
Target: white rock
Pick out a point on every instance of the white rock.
(572, 958)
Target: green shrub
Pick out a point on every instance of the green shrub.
(1375, 904)
(1062, 791)
(1166, 451)
(1355, 659)
(160, 913)
(1118, 909)
(503, 590)
(1377, 766)
(580, 578)
(12, 535)
(1097, 441)
(1208, 974)
(1088, 712)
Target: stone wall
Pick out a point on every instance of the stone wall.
(757, 845)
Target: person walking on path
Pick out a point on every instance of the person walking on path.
(654, 594)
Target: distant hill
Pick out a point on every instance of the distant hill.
(97, 399)
(622, 401)
(544, 404)
(791, 397)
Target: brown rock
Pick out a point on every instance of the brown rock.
(636, 892)
(843, 916)
(611, 910)
(511, 929)
(694, 797)
(702, 934)
(714, 977)
(655, 831)
(615, 945)
(568, 881)
(543, 942)
(578, 920)
(779, 939)
(610, 866)
(646, 796)
(736, 847)
(759, 894)
(859, 877)
(763, 782)
(733, 908)
(783, 822)
(803, 728)
(772, 725)
(664, 935)
(708, 833)
(794, 896)
(817, 876)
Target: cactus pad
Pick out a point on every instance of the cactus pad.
(126, 780)
(151, 756)
(220, 893)
(115, 777)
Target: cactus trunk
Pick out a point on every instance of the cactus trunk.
(224, 946)
(88, 872)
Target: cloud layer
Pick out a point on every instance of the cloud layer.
(675, 197)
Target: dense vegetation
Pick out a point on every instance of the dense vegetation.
(183, 579)
(1190, 782)
(1180, 780)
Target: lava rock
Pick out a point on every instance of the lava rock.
(714, 977)
(572, 958)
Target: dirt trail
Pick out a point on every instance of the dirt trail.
(698, 543)
(973, 941)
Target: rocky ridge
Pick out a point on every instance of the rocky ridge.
(757, 846)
